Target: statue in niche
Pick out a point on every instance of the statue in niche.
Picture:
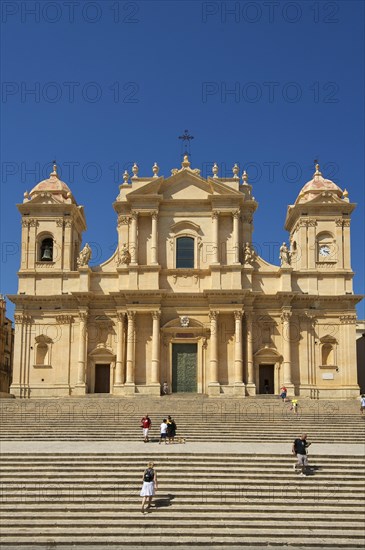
(125, 255)
(248, 254)
(285, 256)
(84, 256)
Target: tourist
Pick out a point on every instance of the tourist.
(165, 389)
(149, 487)
(294, 406)
(163, 431)
(362, 403)
(171, 429)
(283, 393)
(266, 386)
(300, 446)
(145, 425)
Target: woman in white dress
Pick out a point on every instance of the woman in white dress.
(149, 486)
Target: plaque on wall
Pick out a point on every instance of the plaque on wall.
(327, 376)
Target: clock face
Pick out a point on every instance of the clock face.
(324, 250)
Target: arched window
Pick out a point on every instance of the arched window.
(185, 252)
(46, 250)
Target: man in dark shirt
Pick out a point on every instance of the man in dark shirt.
(299, 449)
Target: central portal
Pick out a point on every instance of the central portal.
(184, 367)
(102, 378)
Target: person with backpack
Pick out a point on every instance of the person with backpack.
(149, 487)
(300, 446)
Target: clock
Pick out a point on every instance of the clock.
(324, 251)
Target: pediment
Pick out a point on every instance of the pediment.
(188, 185)
(149, 188)
(179, 324)
(268, 353)
(101, 351)
(326, 197)
(184, 225)
(185, 184)
(45, 198)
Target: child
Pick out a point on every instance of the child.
(283, 393)
(294, 406)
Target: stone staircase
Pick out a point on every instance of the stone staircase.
(85, 494)
(91, 500)
(233, 420)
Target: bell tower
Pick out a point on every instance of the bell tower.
(319, 226)
(52, 226)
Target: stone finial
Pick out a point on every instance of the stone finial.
(215, 170)
(346, 195)
(186, 162)
(54, 173)
(135, 171)
(155, 170)
(125, 177)
(26, 196)
(317, 172)
(235, 171)
(174, 171)
(245, 177)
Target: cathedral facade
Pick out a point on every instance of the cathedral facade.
(185, 299)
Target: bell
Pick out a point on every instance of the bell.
(47, 253)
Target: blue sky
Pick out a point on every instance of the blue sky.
(100, 85)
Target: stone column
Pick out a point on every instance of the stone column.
(155, 370)
(312, 244)
(215, 236)
(25, 245)
(16, 385)
(80, 387)
(238, 361)
(346, 245)
(119, 374)
(251, 388)
(154, 240)
(285, 319)
(130, 348)
(236, 240)
(213, 316)
(133, 243)
(33, 245)
(68, 260)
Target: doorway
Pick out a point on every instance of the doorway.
(184, 368)
(266, 379)
(102, 378)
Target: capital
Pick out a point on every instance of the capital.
(213, 315)
(131, 315)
